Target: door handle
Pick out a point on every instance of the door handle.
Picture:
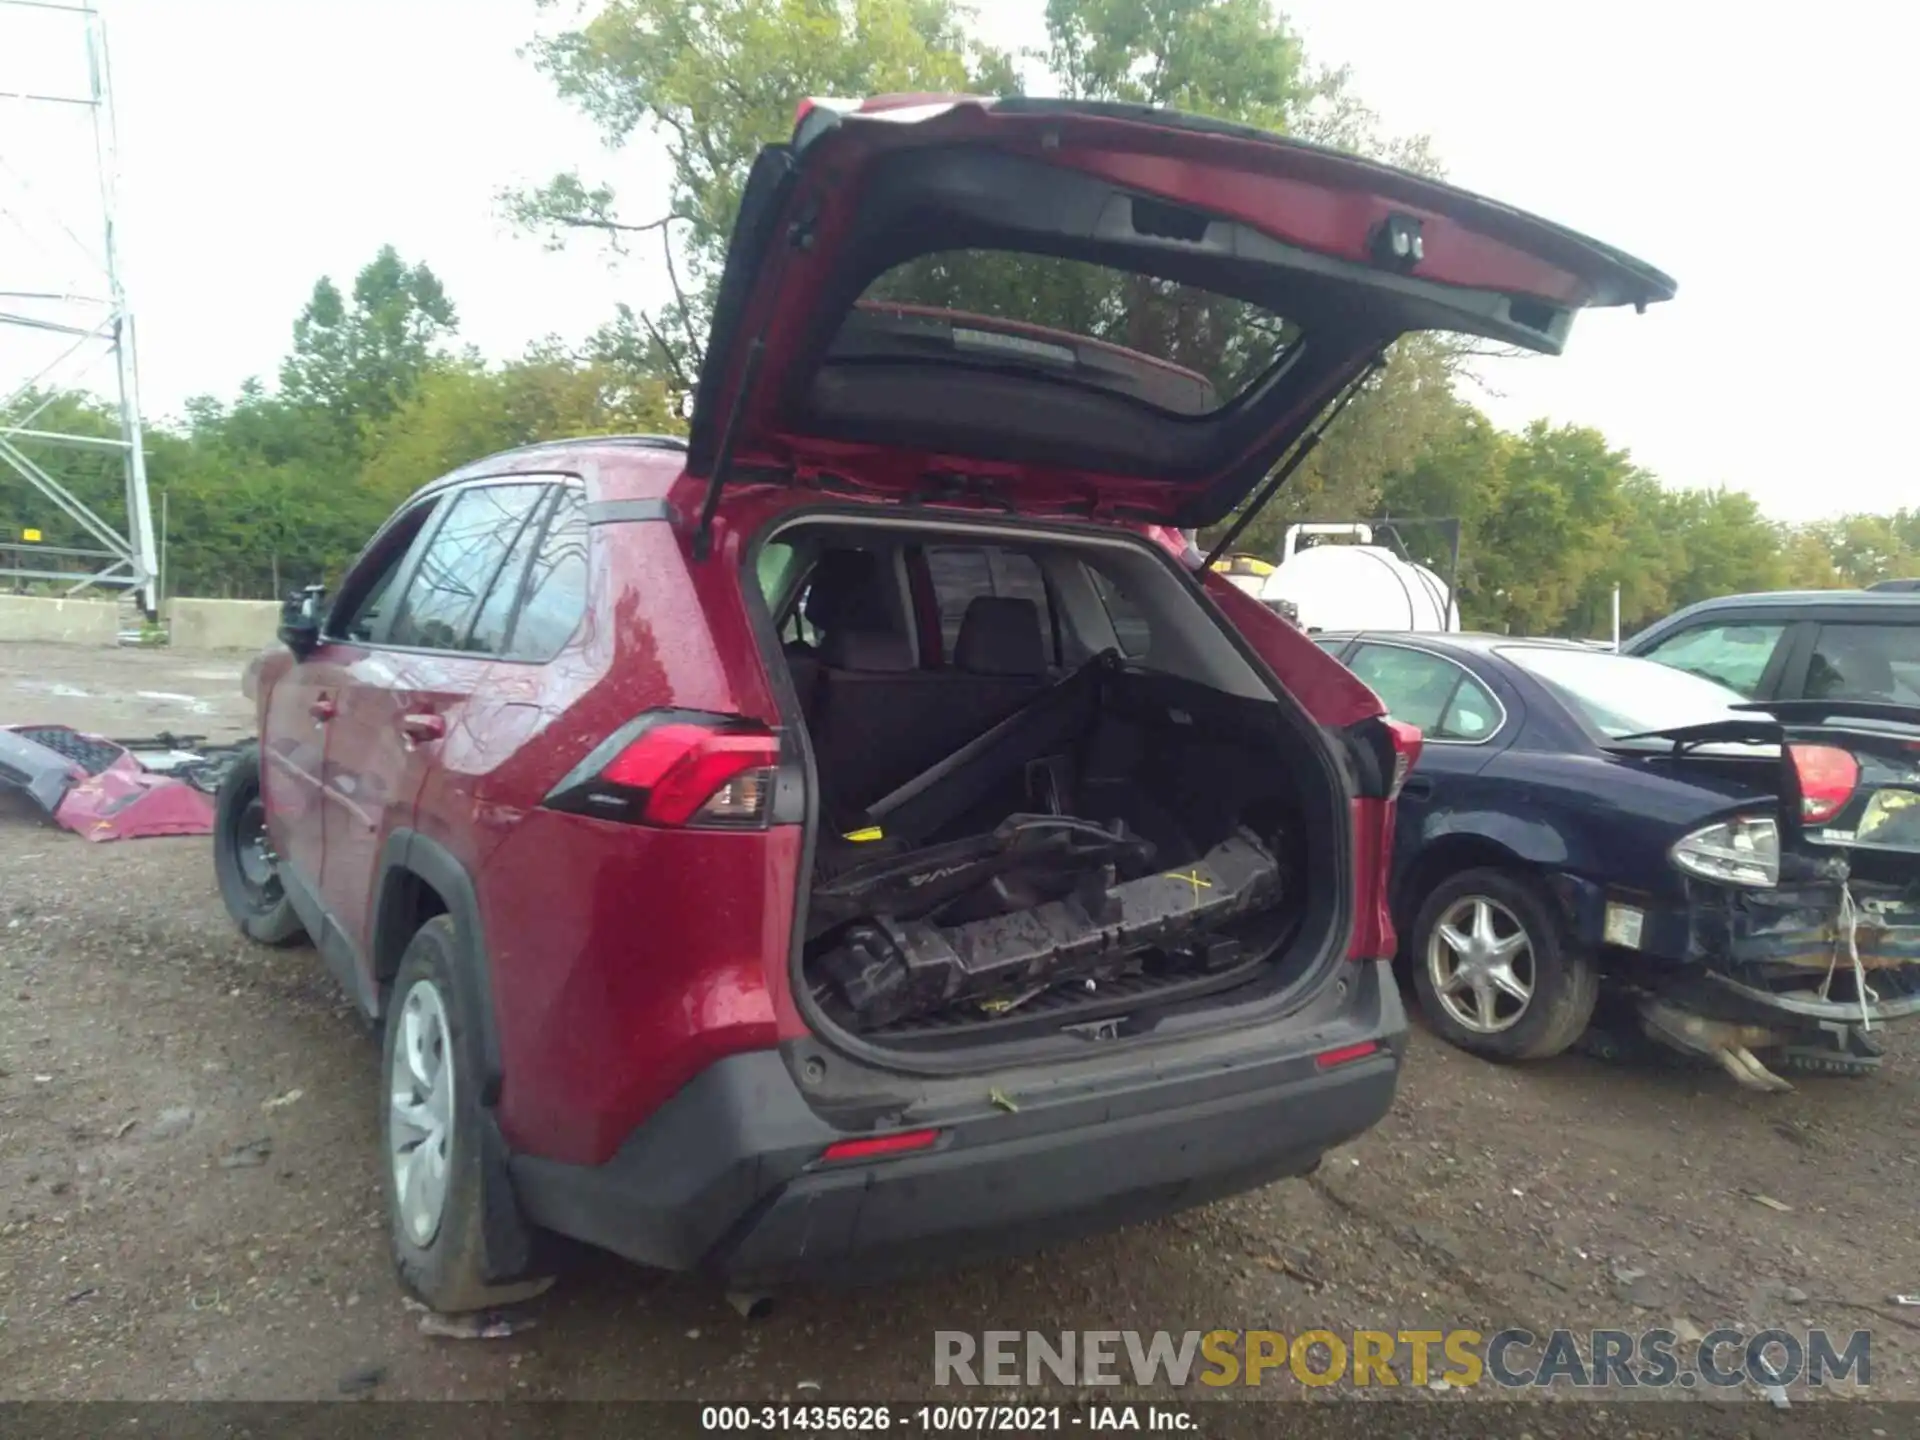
(323, 710)
(421, 727)
(1416, 787)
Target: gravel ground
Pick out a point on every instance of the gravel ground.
(190, 1206)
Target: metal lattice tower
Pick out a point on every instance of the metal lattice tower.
(65, 325)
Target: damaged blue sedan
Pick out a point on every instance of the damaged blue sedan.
(1593, 846)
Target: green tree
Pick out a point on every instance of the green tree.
(465, 410)
(1866, 548)
(360, 361)
(93, 475)
(714, 82)
(1551, 527)
(1730, 545)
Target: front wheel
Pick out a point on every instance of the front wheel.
(1496, 971)
(243, 860)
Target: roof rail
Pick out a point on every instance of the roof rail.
(568, 442)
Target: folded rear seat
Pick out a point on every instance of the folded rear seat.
(877, 721)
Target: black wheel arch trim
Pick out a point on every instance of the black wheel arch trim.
(509, 1246)
(408, 852)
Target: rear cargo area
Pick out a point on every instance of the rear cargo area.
(1051, 794)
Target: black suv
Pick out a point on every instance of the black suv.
(1798, 645)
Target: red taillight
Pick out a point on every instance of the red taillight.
(875, 1145)
(1346, 1054)
(1827, 776)
(671, 769)
(1385, 752)
(1406, 753)
(685, 768)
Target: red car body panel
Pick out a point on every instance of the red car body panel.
(626, 960)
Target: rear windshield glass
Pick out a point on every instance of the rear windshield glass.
(1168, 345)
(1623, 695)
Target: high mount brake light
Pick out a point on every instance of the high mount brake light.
(677, 771)
(1827, 776)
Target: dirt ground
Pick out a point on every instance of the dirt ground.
(145, 1049)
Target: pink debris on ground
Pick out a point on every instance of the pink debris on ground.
(97, 788)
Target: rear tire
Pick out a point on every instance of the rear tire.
(431, 1134)
(1496, 971)
(243, 858)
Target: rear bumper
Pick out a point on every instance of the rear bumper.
(1761, 956)
(727, 1177)
(106, 793)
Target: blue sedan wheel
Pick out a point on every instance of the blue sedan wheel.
(1496, 969)
(1480, 962)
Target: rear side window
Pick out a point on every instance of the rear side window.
(1130, 626)
(460, 565)
(1424, 690)
(556, 586)
(497, 610)
(962, 574)
(774, 569)
(1866, 662)
(1736, 656)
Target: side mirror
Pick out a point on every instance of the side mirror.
(300, 616)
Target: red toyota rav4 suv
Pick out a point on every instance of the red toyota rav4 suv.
(866, 833)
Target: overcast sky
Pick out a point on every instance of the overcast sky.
(1760, 157)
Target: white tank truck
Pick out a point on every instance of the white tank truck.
(1350, 576)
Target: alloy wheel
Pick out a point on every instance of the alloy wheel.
(1480, 962)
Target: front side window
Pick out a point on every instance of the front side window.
(368, 593)
(1427, 691)
(1866, 662)
(460, 565)
(1735, 656)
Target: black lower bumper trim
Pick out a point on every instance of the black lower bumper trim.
(727, 1176)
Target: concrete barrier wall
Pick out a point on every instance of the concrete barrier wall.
(222, 624)
(70, 622)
